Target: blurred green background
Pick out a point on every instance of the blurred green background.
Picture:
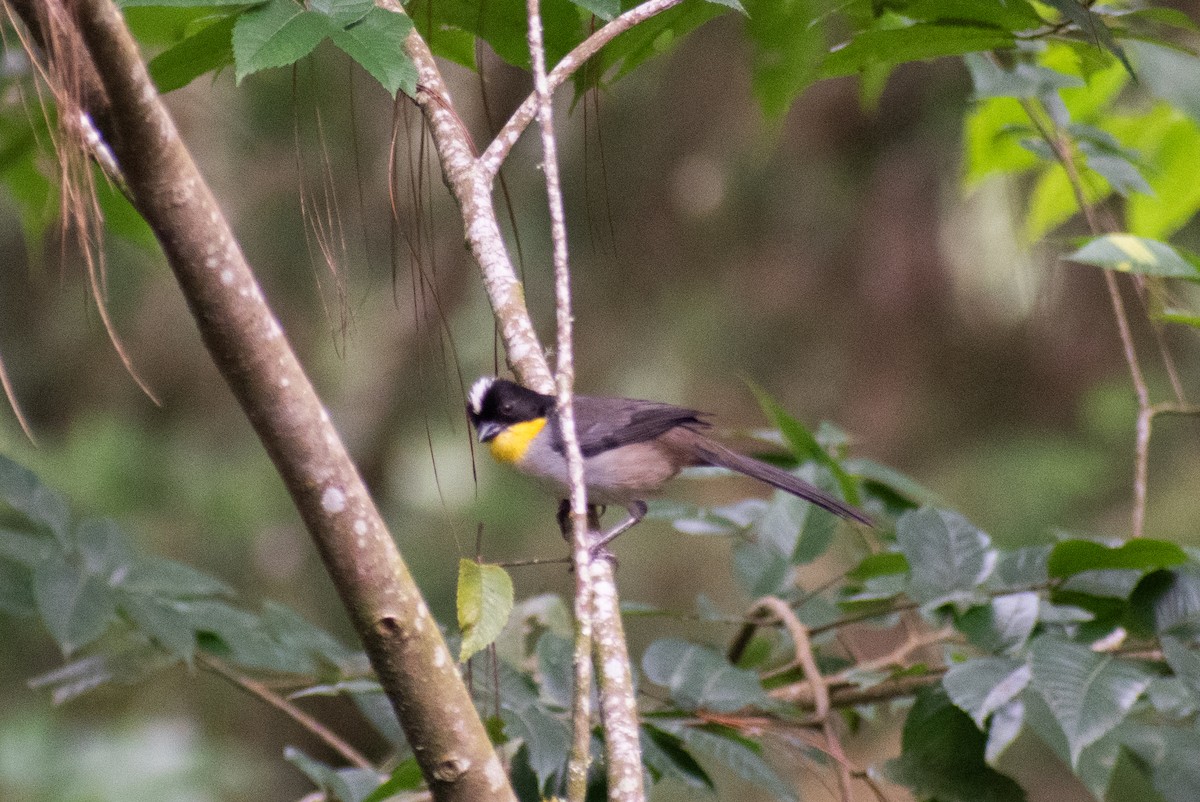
(832, 258)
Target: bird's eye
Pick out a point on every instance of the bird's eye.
(506, 407)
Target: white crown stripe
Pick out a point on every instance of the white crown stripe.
(478, 391)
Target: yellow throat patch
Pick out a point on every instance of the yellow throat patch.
(512, 443)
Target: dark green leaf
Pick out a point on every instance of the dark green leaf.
(666, 758)
(1012, 15)
(105, 550)
(555, 659)
(739, 754)
(1185, 662)
(345, 12)
(296, 633)
(502, 24)
(1003, 624)
(1091, 26)
(1131, 254)
(276, 34)
(161, 620)
(942, 756)
(1166, 601)
(1023, 568)
(1071, 557)
(948, 556)
(1169, 755)
(16, 589)
(27, 550)
(1088, 693)
(405, 777)
(376, 42)
(210, 48)
(180, 3)
(240, 637)
(545, 734)
(76, 606)
(903, 485)
(699, 677)
(983, 685)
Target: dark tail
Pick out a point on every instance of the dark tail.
(712, 453)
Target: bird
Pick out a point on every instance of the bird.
(631, 448)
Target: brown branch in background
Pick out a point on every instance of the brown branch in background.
(807, 660)
(10, 394)
(248, 347)
(287, 707)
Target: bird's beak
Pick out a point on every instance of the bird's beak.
(488, 430)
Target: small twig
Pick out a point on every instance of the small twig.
(820, 688)
(897, 656)
(285, 706)
(499, 148)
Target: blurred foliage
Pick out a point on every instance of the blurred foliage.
(707, 250)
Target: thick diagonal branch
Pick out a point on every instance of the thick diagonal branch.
(248, 347)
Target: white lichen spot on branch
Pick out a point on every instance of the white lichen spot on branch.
(333, 500)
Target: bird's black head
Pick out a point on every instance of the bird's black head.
(495, 404)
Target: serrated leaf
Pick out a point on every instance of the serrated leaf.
(210, 48)
(1088, 693)
(485, 599)
(699, 677)
(942, 756)
(948, 556)
(75, 605)
(983, 685)
(376, 42)
(25, 493)
(276, 34)
(1130, 254)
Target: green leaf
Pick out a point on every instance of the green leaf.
(1071, 557)
(24, 492)
(1131, 254)
(485, 599)
(604, 9)
(983, 685)
(161, 620)
(1182, 316)
(405, 777)
(1088, 693)
(666, 758)
(377, 43)
(240, 637)
(556, 675)
(16, 589)
(1092, 26)
(739, 754)
(210, 48)
(787, 49)
(760, 570)
(179, 3)
(1012, 15)
(699, 677)
(1185, 662)
(296, 633)
(942, 756)
(803, 445)
(276, 34)
(1166, 601)
(156, 576)
(920, 42)
(544, 733)
(75, 605)
(345, 785)
(501, 23)
(798, 530)
(882, 563)
(1005, 726)
(1169, 143)
(948, 556)
(1169, 73)
(1003, 624)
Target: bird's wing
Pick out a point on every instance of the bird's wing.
(604, 423)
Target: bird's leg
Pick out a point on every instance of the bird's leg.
(594, 511)
(637, 511)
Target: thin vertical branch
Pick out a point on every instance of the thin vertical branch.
(581, 718)
(1063, 148)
